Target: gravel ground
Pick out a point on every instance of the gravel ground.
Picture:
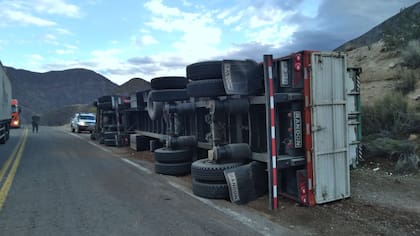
(382, 203)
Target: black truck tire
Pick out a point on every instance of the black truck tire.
(169, 82)
(109, 135)
(142, 143)
(110, 142)
(103, 99)
(210, 190)
(165, 155)
(205, 70)
(176, 169)
(169, 95)
(206, 88)
(154, 109)
(206, 170)
(105, 105)
(154, 145)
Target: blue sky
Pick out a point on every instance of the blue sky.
(126, 39)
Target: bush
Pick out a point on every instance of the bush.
(411, 54)
(390, 115)
(384, 146)
(407, 82)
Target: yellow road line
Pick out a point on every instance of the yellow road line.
(8, 183)
(6, 165)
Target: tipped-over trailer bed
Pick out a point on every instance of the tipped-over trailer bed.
(299, 115)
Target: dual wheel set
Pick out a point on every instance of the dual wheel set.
(208, 178)
(204, 79)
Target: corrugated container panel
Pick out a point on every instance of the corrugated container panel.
(133, 101)
(5, 95)
(133, 141)
(330, 131)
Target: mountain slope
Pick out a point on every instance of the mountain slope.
(383, 66)
(393, 24)
(43, 92)
(132, 86)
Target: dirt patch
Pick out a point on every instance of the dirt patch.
(382, 203)
(381, 71)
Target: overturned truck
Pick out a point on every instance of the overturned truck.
(288, 126)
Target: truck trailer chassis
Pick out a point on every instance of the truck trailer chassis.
(297, 116)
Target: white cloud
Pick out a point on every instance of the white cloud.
(104, 54)
(157, 7)
(148, 40)
(50, 37)
(186, 3)
(57, 7)
(233, 19)
(25, 12)
(35, 57)
(11, 17)
(270, 35)
(63, 31)
(200, 35)
(67, 49)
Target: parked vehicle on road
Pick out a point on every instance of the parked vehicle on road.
(15, 122)
(5, 108)
(83, 122)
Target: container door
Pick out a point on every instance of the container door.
(329, 127)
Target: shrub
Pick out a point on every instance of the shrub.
(384, 146)
(390, 115)
(407, 82)
(411, 54)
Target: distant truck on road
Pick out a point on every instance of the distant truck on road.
(5, 108)
(15, 122)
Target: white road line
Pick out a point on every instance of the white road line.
(241, 218)
(75, 135)
(102, 148)
(147, 171)
(91, 143)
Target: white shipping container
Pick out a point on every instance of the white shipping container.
(5, 96)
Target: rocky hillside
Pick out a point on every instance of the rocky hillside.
(43, 92)
(380, 54)
(391, 25)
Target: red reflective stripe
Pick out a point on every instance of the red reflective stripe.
(308, 121)
(271, 88)
(273, 147)
(273, 135)
(272, 119)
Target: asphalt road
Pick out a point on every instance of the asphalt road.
(58, 183)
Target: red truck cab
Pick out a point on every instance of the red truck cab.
(15, 122)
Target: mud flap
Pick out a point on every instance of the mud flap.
(247, 182)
